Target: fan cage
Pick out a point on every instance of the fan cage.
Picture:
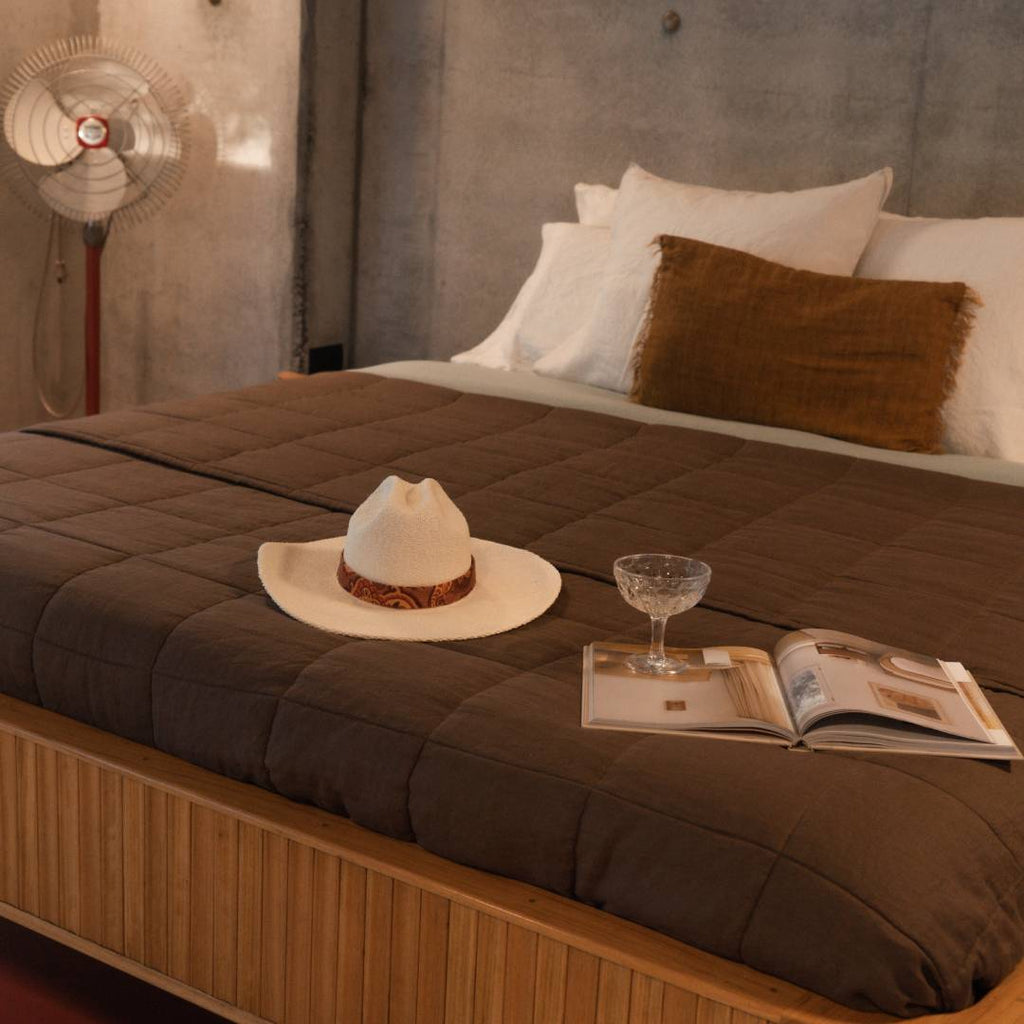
(137, 92)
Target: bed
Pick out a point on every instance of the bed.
(285, 825)
(291, 825)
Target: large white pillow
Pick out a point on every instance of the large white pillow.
(555, 301)
(822, 229)
(595, 204)
(985, 413)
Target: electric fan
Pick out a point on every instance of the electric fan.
(96, 133)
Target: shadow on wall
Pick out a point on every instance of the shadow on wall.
(198, 297)
(27, 25)
(151, 311)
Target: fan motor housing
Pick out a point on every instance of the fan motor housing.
(93, 132)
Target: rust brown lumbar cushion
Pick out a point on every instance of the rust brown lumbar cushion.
(734, 336)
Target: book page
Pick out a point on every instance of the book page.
(743, 695)
(824, 672)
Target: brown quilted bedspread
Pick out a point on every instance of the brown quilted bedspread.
(129, 599)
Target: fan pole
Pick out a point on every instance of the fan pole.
(94, 234)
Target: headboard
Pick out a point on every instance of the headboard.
(479, 115)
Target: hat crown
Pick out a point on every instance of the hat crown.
(408, 535)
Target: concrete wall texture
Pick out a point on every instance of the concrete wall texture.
(480, 116)
(198, 297)
(23, 235)
(331, 123)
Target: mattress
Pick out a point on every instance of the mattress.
(129, 599)
(531, 387)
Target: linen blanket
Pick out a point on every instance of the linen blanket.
(129, 599)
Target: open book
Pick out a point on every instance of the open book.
(823, 691)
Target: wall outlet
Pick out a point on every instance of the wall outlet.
(326, 357)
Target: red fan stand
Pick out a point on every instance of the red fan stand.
(93, 130)
(94, 234)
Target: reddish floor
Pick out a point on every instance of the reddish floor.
(42, 982)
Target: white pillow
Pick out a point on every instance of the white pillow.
(822, 229)
(595, 204)
(555, 301)
(985, 413)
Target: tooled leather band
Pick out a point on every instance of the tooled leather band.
(387, 595)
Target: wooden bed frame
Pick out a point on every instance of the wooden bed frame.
(262, 909)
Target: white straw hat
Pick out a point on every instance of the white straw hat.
(408, 569)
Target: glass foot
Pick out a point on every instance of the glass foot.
(649, 665)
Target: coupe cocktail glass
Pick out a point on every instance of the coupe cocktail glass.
(661, 586)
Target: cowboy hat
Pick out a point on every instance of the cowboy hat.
(408, 569)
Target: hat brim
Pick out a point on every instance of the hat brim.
(513, 587)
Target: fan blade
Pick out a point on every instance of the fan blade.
(37, 129)
(93, 186)
(121, 136)
(99, 87)
(150, 136)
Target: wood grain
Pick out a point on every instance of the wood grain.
(351, 943)
(10, 879)
(225, 909)
(613, 991)
(155, 879)
(122, 963)
(90, 852)
(461, 964)
(550, 983)
(269, 911)
(1008, 1014)
(112, 859)
(679, 1006)
(133, 835)
(581, 981)
(433, 959)
(298, 933)
(739, 1017)
(48, 833)
(520, 976)
(203, 878)
(272, 937)
(377, 950)
(646, 999)
(324, 938)
(179, 887)
(489, 989)
(250, 916)
(28, 813)
(405, 952)
(713, 1013)
(70, 849)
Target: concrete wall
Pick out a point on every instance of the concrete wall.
(330, 121)
(478, 118)
(199, 298)
(481, 114)
(23, 235)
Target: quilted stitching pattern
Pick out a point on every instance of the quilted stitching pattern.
(129, 599)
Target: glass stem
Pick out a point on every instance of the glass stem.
(658, 638)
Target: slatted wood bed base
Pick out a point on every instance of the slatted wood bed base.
(266, 910)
